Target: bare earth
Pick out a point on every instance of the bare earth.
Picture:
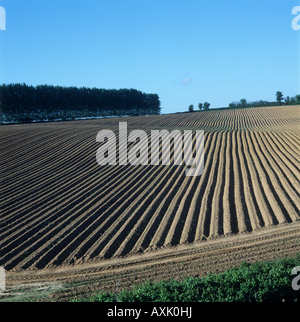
(69, 227)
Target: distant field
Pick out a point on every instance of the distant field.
(60, 208)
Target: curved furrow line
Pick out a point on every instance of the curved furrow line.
(180, 210)
(277, 122)
(66, 199)
(159, 236)
(254, 204)
(244, 206)
(160, 213)
(249, 121)
(88, 187)
(292, 169)
(241, 211)
(296, 138)
(63, 147)
(240, 118)
(28, 151)
(73, 200)
(41, 162)
(61, 185)
(284, 165)
(271, 121)
(176, 233)
(227, 226)
(146, 210)
(56, 170)
(216, 206)
(91, 240)
(10, 144)
(202, 209)
(293, 142)
(161, 205)
(219, 230)
(61, 178)
(27, 155)
(96, 232)
(268, 123)
(251, 118)
(255, 116)
(289, 145)
(79, 215)
(112, 239)
(235, 120)
(269, 178)
(284, 192)
(199, 205)
(21, 138)
(259, 184)
(183, 216)
(244, 121)
(256, 178)
(105, 227)
(53, 149)
(286, 152)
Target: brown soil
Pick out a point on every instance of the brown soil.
(65, 219)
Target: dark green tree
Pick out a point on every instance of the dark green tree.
(206, 106)
(243, 103)
(22, 102)
(191, 108)
(287, 101)
(279, 98)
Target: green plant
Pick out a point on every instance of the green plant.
(258, 282)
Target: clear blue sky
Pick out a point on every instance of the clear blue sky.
(186, 51)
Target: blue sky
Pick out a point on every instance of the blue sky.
(186, 51)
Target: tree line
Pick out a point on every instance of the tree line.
(280, 100)
(201, 106)
(20, 102)
(243, 103)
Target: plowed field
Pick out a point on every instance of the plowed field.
(64, 216)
